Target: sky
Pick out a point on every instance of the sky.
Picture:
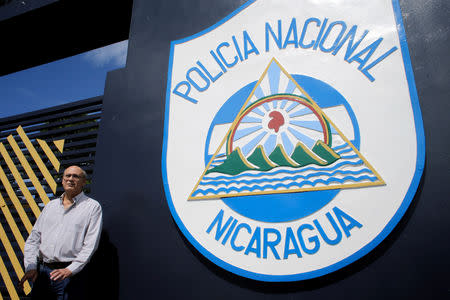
(70, 79)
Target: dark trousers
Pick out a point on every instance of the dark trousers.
(68, 289)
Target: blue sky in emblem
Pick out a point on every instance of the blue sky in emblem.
(70, 79)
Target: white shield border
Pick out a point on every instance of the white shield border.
(420, 162)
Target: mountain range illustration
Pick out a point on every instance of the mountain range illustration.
(321, 155)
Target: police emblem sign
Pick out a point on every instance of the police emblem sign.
(293, 136)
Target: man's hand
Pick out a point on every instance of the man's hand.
(29, 275)
(60, 274)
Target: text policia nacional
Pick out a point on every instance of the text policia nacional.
(314, 34)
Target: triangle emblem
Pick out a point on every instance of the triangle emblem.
(281, 141)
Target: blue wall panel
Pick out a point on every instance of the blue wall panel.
(156, 261)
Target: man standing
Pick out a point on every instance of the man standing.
(63, 239)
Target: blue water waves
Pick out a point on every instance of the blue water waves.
(262, 180)
(285, 186)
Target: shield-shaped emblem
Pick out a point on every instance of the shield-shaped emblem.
(293, 136)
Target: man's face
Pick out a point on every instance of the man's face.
(73, 180)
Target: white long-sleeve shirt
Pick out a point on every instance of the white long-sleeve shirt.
(65, 235)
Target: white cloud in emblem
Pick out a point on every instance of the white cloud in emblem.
(115, 54)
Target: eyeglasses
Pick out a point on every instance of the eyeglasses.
(74, 176)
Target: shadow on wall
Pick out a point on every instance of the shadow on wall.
(103, 271)
(315, 283)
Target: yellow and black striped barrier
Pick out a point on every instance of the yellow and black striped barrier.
(25, 156)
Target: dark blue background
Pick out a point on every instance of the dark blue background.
(155, 260)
